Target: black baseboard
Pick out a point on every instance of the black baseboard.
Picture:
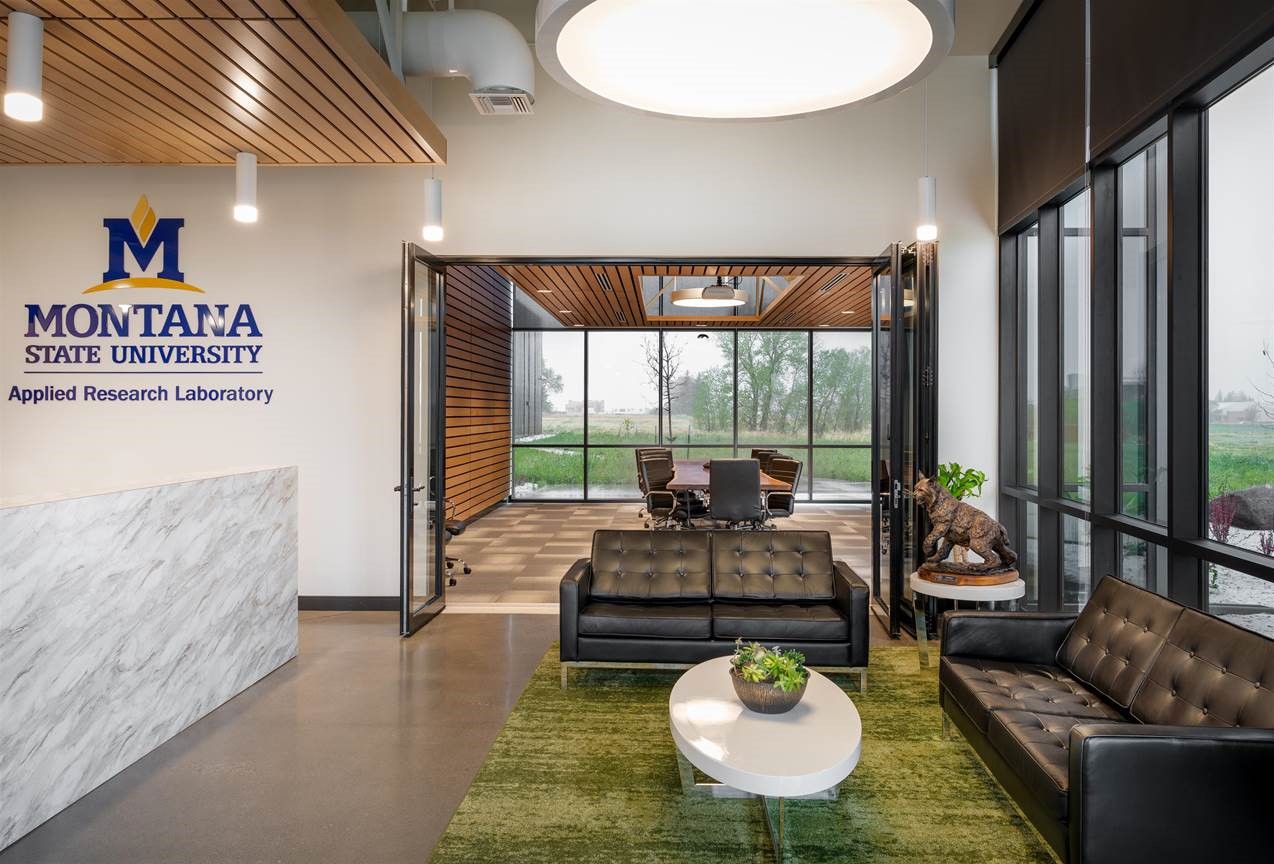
(332, 603)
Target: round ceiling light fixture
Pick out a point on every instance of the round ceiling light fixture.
(718, 296)
(740, 59)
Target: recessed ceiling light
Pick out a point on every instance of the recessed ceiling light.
(847, 311)
(665, 56)
(824, 325)
(565, 312)
(544, 290)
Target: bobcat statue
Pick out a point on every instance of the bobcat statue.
(958, 524)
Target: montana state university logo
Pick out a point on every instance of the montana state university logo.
(144, 236)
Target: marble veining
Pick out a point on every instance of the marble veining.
(126, 617)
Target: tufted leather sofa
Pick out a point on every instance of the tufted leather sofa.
(680, 597)
(1138, 731)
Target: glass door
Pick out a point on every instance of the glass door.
(882, 433)
(421, 487)
(905, 440)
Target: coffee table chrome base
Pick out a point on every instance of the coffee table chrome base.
(772, 809)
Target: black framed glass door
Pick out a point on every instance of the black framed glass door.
(905, 336)
(421, 486)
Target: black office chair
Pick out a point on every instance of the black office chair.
(788, 470)
(453, 527)
(734, 492)
(662, 505)
(763, 455)
(641, 453)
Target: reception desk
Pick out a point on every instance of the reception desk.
(127, 616)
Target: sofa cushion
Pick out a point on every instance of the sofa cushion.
(1210, 673)
(651, 565)
(1036, 746)
(649, 620)
(982, 686)
(1116, 639)
(779, 623)
(772, 565)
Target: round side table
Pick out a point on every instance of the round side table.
(1011, 591)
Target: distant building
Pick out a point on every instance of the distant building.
(1235, 412)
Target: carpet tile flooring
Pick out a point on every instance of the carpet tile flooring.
(519, 552)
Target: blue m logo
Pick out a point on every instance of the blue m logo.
(144, 236)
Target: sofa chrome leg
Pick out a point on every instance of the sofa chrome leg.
(946, 727)
(862, 680)
(564, 671)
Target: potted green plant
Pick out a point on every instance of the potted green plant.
(768, 680)
(962, 483)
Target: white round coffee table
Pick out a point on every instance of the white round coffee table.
(1011, 591)
(806, 752)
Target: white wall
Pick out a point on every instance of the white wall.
(576, 178)
(581, 178)
(322, 273)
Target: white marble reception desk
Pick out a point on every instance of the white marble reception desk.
(127, 616)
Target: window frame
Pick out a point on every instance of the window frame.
(807, 448)
(1183, 536)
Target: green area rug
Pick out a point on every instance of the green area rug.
(590, 775)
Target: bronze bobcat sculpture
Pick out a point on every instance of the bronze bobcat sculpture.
(958, 524)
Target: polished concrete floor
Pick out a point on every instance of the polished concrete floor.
(519, 552)
(357, 751)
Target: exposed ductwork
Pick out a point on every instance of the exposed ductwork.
(463, 43)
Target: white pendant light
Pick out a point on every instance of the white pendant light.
(432, 232)
(927, 223)
(718, 296)
(740, 58)
(927, 188)
(23, 99)
(245, 187)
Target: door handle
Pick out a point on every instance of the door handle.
(414, 489)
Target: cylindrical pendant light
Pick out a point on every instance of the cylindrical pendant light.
(432, 231)
(927, 199)
(23, 99)
(927, 222)
(245, 187)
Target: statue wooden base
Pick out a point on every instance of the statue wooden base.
(947, 574)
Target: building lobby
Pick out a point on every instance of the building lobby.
(636, 431)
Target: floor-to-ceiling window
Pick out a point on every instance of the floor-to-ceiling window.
(1239, 487)
(583, 399)
(1137, 365)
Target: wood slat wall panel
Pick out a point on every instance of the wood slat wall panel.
(479, 388)
(196, 81)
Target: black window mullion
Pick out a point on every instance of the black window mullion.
(1187, 362)
(1105, 365)
(1009, 392)
(1048, 432)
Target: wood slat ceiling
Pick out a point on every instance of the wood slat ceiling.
(820, 296)
(192, 82)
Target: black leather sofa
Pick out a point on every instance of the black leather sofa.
(675, 598)
(1138, 731)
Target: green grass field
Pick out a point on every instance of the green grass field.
(557, 460)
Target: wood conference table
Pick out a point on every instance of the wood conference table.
(690, 475)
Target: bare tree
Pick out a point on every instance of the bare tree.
(666, 374)
(1267, 396)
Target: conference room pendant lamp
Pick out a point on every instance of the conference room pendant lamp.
(245, 187)
(718, 296)
(927, 203)
(432, 232)
(23, 86)
(782, 59)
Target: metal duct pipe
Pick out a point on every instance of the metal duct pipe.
(467, 43)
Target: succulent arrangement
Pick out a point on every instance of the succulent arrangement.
(756, 664)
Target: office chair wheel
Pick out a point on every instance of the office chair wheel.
(467, 569)
(452, 582)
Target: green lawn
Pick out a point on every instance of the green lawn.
(1239, 456)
